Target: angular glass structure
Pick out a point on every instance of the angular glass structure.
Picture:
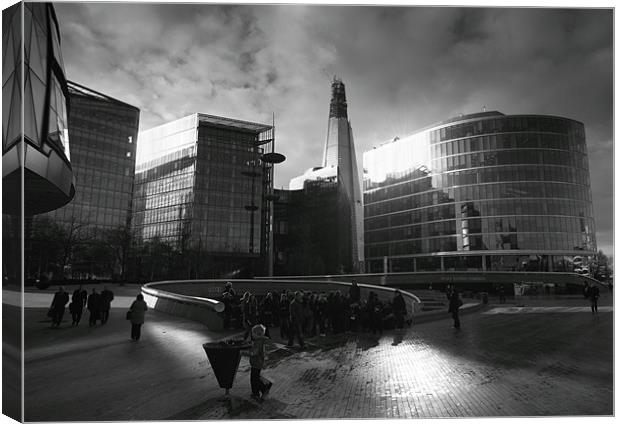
(36, 171)
(340, 165)
(41, 152)
(481, 192)
(200, 188)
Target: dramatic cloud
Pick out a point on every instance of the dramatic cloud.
(404, 68)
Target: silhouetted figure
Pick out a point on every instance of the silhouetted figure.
(78, 302)
(249, 310)
(502, 294)
(354, 293)
(399, 309)
(266, 310)
(228, 288)
(593, 294)
(94, 307)
(453, 307)
(284, 311)
(296, 320)
(228, 309)
(260, 386)
(137, 313)
(57, 309)
(375, 313)
(106, 299)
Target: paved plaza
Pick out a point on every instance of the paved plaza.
(545, 358)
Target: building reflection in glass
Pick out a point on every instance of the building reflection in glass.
(480, 192)
(200, 187)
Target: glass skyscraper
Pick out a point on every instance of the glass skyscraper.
(340, 167)
(200, 188)
(103, 134)
(481, 192)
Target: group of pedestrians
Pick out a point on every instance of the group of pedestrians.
(97, 304)
(302, 314)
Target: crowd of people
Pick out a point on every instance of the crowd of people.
(302, 314)
(97, 304)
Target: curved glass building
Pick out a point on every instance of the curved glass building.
(481, 192)
(42, 149)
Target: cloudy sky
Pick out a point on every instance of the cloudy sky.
(404, 68)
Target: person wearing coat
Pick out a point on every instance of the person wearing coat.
(354, 293)
(137, 312)
(260, 385)
(400, 309)
(454, 304)
(94, 307)
(296, 317)
(249, 313)
(76, 307)
(106, 299)
(594, 293)
(57, 309)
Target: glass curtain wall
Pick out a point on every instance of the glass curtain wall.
(485, 183)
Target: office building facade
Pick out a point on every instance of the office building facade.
(103, 133)
(306, 229)
(481, 192)
(200, 189)
(339, 166)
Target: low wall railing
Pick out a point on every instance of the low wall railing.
(197, 299)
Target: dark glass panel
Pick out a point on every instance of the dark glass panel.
(7, 95)
(14, 121)
(40, 66)
(30, 123)
(27, 32)
(8, 61)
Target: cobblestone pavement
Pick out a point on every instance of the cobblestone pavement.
(539, 363)
(549, 364)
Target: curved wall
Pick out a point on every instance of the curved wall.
(196, 299)
(484, 192)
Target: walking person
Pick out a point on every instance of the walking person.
(57, 309)
(137, 312)
(399, 308)
(93, 304)
(260, 385)
(249, 312)
(593, 294)
(455, 303)
(296, 311)
(76, 307)
(284, 312)
(106, 299)
(502, 294)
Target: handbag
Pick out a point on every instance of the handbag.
(128, 315)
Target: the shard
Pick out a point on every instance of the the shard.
(340, 164)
